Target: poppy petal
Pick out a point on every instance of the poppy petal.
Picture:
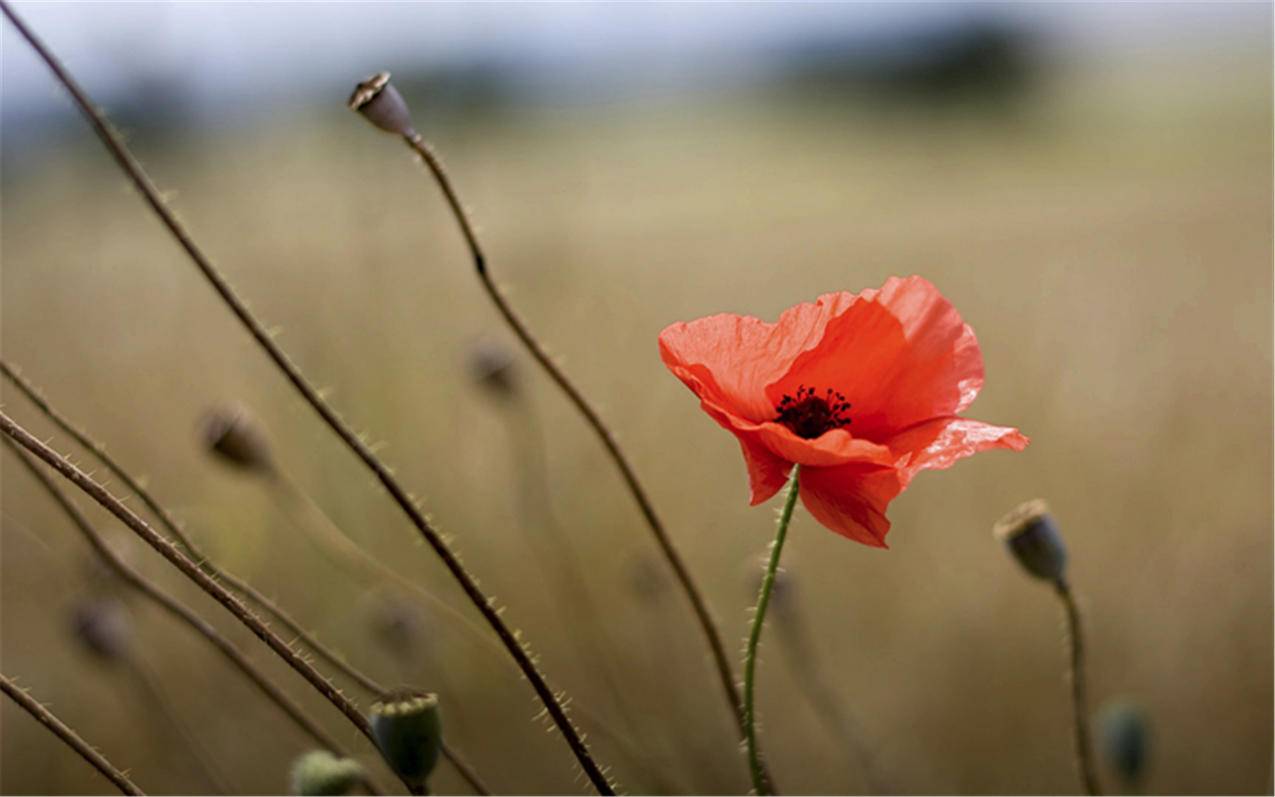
(851, 499)
(767, 473)
(735, 357)
(901, 355)
(836, 447)
(939, 443)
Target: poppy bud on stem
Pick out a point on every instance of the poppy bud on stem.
(319, 772)
(1125, 741)
(1032, 536)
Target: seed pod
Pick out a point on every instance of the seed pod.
(381, 104)
(409, 733)
(399, 626)
(1124, 737)
(1032, 536)
(231, 435)
(491, 366)
(320, 772)
(103, 626)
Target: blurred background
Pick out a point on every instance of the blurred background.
(1089, 184)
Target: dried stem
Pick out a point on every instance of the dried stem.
(238, 585)
(486, 606)
(169, 551)
(760, 783)
(174, 607)
(1079, 700)
(693, 594)
(68, 736)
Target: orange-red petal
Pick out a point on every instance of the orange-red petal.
(900, 355)
(851, 499)
(940, 442)
(735, 357)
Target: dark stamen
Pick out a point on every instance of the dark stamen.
(809, 415)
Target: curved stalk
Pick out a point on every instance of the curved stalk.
(235, 583)
(760, 782)
(699, 604)
(1079, 701)
(552, 701)
(168, 603)
(68, 736)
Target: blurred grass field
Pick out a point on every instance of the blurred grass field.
(1111, 246)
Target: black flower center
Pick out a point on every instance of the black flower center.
(809, 415)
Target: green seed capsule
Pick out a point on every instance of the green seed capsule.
(1125, 738)
(319, 772)
(409, 732)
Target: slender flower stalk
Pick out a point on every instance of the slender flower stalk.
(489, 609)
(1079, 695)
(178, 535)
(1031, 535)
(812, 679)
(168, 603)
(281, 648)
(760, 783)
(369, 94)
(68, 736)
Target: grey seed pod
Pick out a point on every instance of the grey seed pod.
(398, 625)
(409, 733)
(1032, 536)
(319, 772)
(103, 627)
(233, 436)
(381, 104)
(1124, 738)
(491, 366)
(647, 579)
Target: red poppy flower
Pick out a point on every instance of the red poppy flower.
(862, 390)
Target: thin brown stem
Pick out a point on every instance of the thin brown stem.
(1079, 699)
(238, 585)
(699, 604)
(485, 605)
(169, 551)
(168, 603)
(68, 736)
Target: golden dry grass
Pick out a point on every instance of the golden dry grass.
(1112, 250)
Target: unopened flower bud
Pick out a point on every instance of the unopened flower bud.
(103, 627)
(381, 104)
(1032, 536)
(647, 579)
(398, 625)
(231, 435)
(491, 366)
(409, 733)
(320, 772)
(1124, 738)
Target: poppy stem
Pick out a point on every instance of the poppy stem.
(761, 784)
(237, 585)
(1076, 674)
(331, 418)
(699, 604)
(69, 737)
